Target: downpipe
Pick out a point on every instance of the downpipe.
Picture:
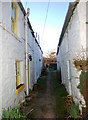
(26, 52)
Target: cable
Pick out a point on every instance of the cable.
(45, 18)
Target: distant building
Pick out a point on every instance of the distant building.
(14, 79)
(72, 47)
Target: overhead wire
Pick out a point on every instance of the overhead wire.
(45, 19)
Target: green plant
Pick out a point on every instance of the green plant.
(60, 94)
(83, 86)
(12, 113)
(52, 67)
(73, 111)
(83, 79)
(72, 108)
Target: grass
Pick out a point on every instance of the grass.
(60, 95)
(42, 82)
(51, 69)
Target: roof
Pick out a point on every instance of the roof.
(72, 6)
(24, 12)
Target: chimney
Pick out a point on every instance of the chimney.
(38, 39)
(36, 35)
(28, 11)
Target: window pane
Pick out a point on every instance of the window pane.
(12, 11)
(16, 69)
(18, 77)
(14, 19)
(12, 26)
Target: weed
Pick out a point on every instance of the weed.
(12, 113)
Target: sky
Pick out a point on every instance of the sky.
(49, 31)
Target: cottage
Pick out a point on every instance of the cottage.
(20, 54)
(72, 50)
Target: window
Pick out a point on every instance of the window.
(14, 18)
(19, 85)
(18, 73)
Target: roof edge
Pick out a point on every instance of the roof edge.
(71, 8)
(32, 32)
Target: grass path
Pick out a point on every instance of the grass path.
(50, 100)
(60, 96)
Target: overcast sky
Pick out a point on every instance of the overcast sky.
(50, 33)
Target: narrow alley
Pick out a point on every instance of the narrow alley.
(44, 59)
(45, 104)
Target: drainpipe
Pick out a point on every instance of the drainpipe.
(26, 52)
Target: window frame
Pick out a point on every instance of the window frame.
(20, 86)
(18, 76)
(14, 30)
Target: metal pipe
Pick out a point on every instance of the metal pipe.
(26, 53)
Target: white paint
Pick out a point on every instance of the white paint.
(72, 46)
(12, 49)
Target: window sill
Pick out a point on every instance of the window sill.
(20, 88)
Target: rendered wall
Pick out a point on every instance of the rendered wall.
(0, 59)
(12, 49)
(72, 46)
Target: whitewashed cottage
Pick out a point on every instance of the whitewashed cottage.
(73, 45)
(20, 54)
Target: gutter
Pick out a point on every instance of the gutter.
(24, 12)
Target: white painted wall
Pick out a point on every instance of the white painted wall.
(12, 49)
(0, 59)
(74, 41)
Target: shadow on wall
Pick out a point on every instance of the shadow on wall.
(59, 76)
